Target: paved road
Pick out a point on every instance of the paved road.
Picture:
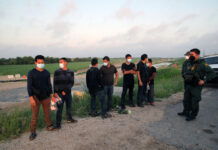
(199, 134)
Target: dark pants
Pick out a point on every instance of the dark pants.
(192, 97)
(125, 88)
(150, 96)
(35, 112)
(68, 100)
(141, 93)
(101, 97)
(108, 91)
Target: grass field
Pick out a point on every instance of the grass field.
(75, 66)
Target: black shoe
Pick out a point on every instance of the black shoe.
(94, 114)
(32, 136)
(140, 105)
(190, 118)
(132, 105)
(123, 107)
(185, 114)
(57, 127)
(71, 120)
(107, 115)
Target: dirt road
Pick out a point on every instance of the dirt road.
(148, 128)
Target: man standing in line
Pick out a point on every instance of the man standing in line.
(152, 73)
(107, 71)
(142, 74)
(129, 70)
(96, 89)
(63, 82)
(194, 76)
(40, 91)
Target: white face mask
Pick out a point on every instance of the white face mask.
(105, 64)
(129, 60)
(40, 66)
(186, 57)
(61, 65)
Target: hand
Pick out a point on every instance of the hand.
(201, 82)
(63, 93)
(55, 94)
(140, 83)
(32, 101)
(115, 83)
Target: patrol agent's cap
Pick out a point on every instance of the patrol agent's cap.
(187, 53)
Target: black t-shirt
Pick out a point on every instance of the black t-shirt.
(150, 72)
(142, 68)
(108, 74)
(128, 79)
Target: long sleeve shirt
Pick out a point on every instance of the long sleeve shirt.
(38, 83)
(63, 81)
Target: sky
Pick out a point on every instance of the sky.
(96, 28)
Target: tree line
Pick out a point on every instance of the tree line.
(30, 60)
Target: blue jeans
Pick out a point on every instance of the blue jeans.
(108, 91)
(68, 99)
(141, 96)
(101, 97)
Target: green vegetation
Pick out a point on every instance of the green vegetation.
(17, 121)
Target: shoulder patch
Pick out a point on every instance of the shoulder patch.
(206, 64)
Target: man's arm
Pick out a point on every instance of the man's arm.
(29, 89)
(50, 86)
(117, 76)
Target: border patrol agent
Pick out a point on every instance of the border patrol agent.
(194, 76)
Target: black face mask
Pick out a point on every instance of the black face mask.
(192, 58)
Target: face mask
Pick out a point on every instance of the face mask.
(186, 57)
(61, 65)
(40, 66)
(129, 60)
(105, 64)
(192, 58)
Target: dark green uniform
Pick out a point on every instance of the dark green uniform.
(185, 104)
(193, 72)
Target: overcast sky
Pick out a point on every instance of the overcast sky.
(83, 28)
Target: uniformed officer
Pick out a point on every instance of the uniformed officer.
(186, 109)
(194, 76)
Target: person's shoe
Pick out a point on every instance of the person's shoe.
(107, 115)
(152, 103)
(32, 136)
(50, 128)
(72, 120)
(57, 127)
(123, 107)
(94, 114)
(185, 114)
(132, 105)
(190, 118)
(140, 105)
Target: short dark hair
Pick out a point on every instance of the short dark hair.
(107, 58)
(128, 55)
(196, 51)
(144, 56)
(94, 61)
(150, 60)
(64, 58)
(39, 57)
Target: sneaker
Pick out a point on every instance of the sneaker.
(132, 105)
(72, 121)
(107, 115)
(152, 103)
(183, 114)
(50, 128)
(32, 136)
(57, 127)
